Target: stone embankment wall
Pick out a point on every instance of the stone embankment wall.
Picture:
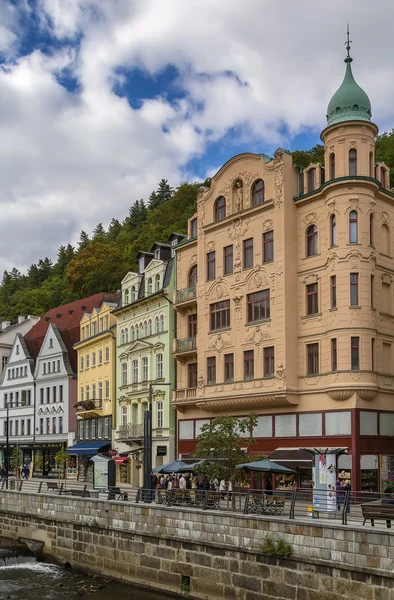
(214, 555)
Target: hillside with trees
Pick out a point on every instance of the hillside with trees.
(101, 259)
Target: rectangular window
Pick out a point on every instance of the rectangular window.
(334, 362)
(310, 424)
(372, 291)
(193, 228)
(86, 430)
(81, 394)
(54, 393)
(220, 315)
(101, 323)
(269, 362)
(28, 427)
(93, 359)
(248, 253)
(259, 306)
(16, 427)
(387, 360)
(60, 393)
(192, 375)
(355, 353)
(211, 369)
(186, 430)
(107, 354)
(23, 427)
(48, 425)
(94, 391)
(107, 390)
(353, 289)
(263, 428)
(211, 266)
(199, 424)
(87, 361)
(100, 428)
(285, 426)
(368, 422)
(192, 325)
(386, 423)
(81, 363)
(229, 367)
(268, 246)
(53, 424)
(100, 390)
(312, 299)
(386, 297)
(228, 260)
(338, 423)
(106, 428)
(87, 392)
(48, 390)
(312, 359)
(58, 366)
(249, 364)
(93, 429)
(100, 357)
(373, 354)
(333, 288)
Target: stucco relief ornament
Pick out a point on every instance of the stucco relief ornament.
(281, 375)
(219, 291)
(219, 343)
(385, 217)
(248, 178)
(201, 193)
(200, 385)
(280, 269)
(193, 259)
(210, 246)
(310, 218)
(257, 336)
(237, 307)
(279, 175)
(239, 192)
(268, 225)
(238, 228)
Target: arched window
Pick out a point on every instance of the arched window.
(383, 177)
(371, 165)
(145, 369)
(157, 325)
(220, 208)
(133, 294)
(132, 333)
(122, 336)
(157, 283)
(385, 240)
(353, 227)
(371, 231)
(150, 285)
(137, 332)
(124, 373)
(145, 328)
(161, 322)
(192, 278)
(333, 230)
(134, 365)
(159, 366)
(159, 415)
(126, 335)
(311, 240)
(150, 326)
(258, 192)
(126, 297)
(352, 162)
(332, 165)
(311, 180)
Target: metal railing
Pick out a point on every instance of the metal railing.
(185, 345)
(185, 295)
(131, 431)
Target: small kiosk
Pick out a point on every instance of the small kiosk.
(103, 472)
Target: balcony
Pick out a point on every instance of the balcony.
(186, 297)
(131, 432)
(185, 395)
(185, 347)
(87, 409)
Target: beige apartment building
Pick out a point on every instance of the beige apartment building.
(285, 300)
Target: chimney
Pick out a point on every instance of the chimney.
(21, 319)
(5, 324)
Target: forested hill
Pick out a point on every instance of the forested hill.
(101, 260)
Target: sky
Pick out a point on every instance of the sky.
(100, 99)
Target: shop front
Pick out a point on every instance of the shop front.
(81, 455)
(297, 460)
(44, 463)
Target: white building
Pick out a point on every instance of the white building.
(8, 333)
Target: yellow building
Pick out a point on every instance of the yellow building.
(96, 385)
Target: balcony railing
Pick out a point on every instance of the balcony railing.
(185, 295)
(186, 394)
(131, 431)
(185, 345)
(88, 405)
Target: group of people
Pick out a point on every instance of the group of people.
(3, 473)
(24, 471)
(188, 481)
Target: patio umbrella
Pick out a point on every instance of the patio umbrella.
(264, 466)
(188, 468)
(172, 467)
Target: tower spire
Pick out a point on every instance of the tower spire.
(348, 58)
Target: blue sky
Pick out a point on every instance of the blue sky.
(100, 100)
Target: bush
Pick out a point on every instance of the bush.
(281, 548)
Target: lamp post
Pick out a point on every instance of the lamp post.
(148, 439)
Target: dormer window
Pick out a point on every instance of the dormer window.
(50, 342)
(193, 228)
(311, 180)
(174, 242)
(17, 349)
(126, 297)
(133, 294)
(220, 209)
(157, 283)
(141, 263)
(150, 285)
(157, 253)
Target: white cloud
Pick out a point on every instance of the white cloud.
(71, 159)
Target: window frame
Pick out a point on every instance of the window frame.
(258, 194)
(247, 253)
(192, 375)
(219, 209)
(229, 367)
(333, 291)
(312, 298)
(355, 353)
(268, 246)
(211, 265)
(211, 370)
(219, 315)
(192, 276)
(228, 256)
(352, 160)
(312, 359)
(332, 165)
(353, 227)
(248, 363)
(354, 289)
(258, 306)
(334, 355)
(269, 362)
(312, 240)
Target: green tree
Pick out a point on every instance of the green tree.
(303, 158)
(97, 268)
(384, 152)
(99, 233)
(114, 229)
(16, 461)
(62, 459)
(83, 240)
(163, 193)
(221, 443)
(64, 255)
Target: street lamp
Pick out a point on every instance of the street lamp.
(148, 439)
(7, 445)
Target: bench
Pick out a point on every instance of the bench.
(378, 511)
(115, 493)
(52, 485)
(266, 505)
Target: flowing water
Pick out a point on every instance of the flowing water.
(23, 578)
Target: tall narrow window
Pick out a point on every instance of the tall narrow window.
(145, 369)
(372, 286)
(258, 192)
(332, 165)
(249, 364)
(312, 359)
(371, 235)
(353, 227)
(312, 299)
(385, 240)
(334, 361)
(248, 253)
(124, 373)
(311, 240)
(355, 353)
(269, 362)
(211, 266)
(134, 366)
(157, 283)
(193, 228)
(371, 165)
(373, 354)
(192, 278)
(268, 246)
(161, 322)
(311, 180)
(228, 260)
(352, 162)
(159, 366)
(220, 209)
(333, 230)
(150, 285)
(229, 367)
(333, 289)
(126, 297)
(211, 369)
(159, 414)
(192, 325)
(133, 293)
(353, 289)
(383, 177)
(192, 375)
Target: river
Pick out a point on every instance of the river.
(23, 578)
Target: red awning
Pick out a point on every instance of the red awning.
(121, 459)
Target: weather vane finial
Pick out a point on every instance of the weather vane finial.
(347, 44)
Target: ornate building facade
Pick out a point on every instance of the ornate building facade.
(284, 298)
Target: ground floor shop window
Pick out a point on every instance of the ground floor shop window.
(344, 467)
(369, 465)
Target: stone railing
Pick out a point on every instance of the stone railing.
(186, 394)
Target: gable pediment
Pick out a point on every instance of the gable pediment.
(130, 277)
(137, 346)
